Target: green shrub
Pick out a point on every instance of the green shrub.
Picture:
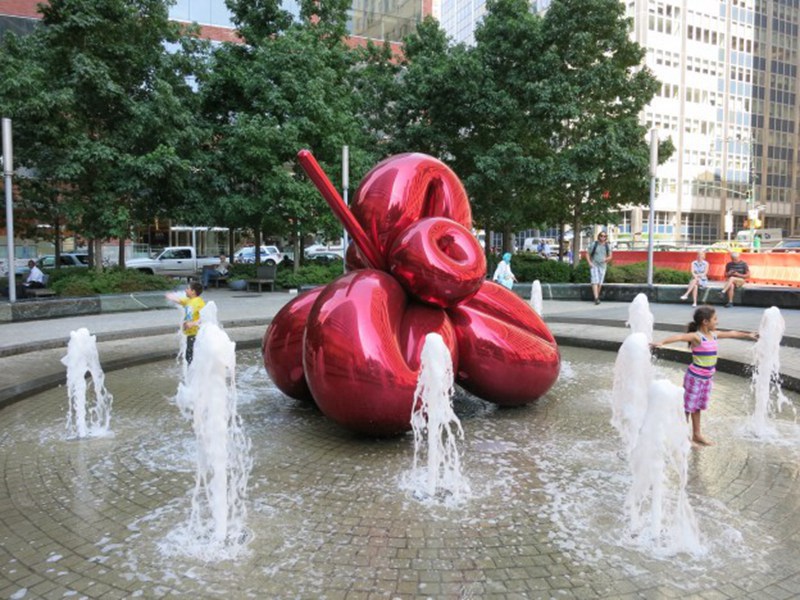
(88, 282)
(581, 272)
(308, 275)
(632, 273)
(242, 271)
(528, 267)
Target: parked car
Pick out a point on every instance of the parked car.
(174, 261)
(787, 245)
(324, 257)
(270, 255)
(321, 248)
(48, 261)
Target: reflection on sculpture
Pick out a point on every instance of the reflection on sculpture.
(414, 268)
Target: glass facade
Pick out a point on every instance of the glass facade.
(459, 18)
(203, 12)
(728, 101)
(389, 20)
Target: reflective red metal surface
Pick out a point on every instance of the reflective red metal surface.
(355, 345)
(438, 261)
(283, 346)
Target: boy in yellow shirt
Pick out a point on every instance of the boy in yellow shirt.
(192, 305)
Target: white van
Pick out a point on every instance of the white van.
(769, 237)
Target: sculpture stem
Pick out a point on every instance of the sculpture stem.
(339, 208)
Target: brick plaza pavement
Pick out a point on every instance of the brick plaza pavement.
(331, 516)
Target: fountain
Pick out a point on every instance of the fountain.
(433, 418)
(633, 373)
(650, 420)
(324, 512)
(640, 319)
(216, 526)
(84, 417)
(660, 517)
(766, 381)
(536, 297)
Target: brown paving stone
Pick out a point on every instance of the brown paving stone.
(323, 473)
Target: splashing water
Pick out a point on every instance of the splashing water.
(216, 526)
(433, 415)
(536, 297)
(84, 417)
(661, 518)
(640, 319)
(766, 382)
(633, 372)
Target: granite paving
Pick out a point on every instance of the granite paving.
(333, 515)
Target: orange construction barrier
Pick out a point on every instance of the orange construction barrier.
(780, 268)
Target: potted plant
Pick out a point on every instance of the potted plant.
(238, 275)
(236, 284)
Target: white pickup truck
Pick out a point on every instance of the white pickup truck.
(174, 261)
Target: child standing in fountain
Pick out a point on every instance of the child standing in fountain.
(702, 336)
(192, 304)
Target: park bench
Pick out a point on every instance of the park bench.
(215, 281)
(265, 275)
(40, 292)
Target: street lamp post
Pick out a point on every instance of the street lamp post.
(345, 190)
(651, 216)
(8, 172)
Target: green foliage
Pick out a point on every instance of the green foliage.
(102, 112)
(632, 273)
(317, 274)
(582, 274)
(540, 118)
(529, 267)
(88, 282)
(242, 271)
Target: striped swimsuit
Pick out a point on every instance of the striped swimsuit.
(697, 382)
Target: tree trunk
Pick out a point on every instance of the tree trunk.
(508, 239)
(57, 242)
(298, 251)
(576, 237)
(258, 246)
(121, 254)
(561, 231)
(231, 247)
(98, 254)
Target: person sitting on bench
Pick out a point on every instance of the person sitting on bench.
(220, 271)
(34, 280)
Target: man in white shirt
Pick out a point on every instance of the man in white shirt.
(35, 277)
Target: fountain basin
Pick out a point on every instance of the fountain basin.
(326, 516)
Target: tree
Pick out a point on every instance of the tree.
(601, 156)
(106, 117)
(540, 118)
(289, 87)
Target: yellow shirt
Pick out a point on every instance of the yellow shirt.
(192, 308)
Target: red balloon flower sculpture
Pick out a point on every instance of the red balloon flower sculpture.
(414, 268)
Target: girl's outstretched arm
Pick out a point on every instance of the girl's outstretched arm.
(749, 335)
(690, 338)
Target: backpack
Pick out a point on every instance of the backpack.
(594, 249)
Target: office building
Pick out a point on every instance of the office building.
(386, 20)
(728, 100)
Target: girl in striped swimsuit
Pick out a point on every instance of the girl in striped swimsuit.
(702, 338)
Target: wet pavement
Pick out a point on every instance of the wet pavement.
(330, 515)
